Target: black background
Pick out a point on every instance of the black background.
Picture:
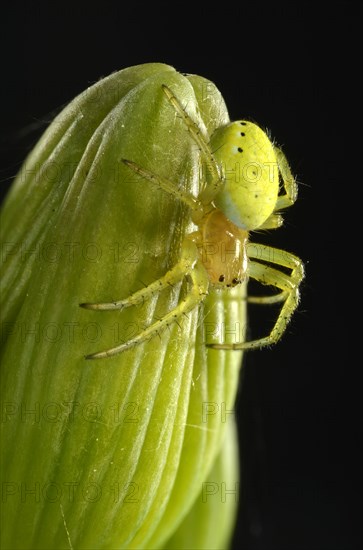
(296, 72)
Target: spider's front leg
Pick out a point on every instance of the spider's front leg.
(267, 275)
(188, 267)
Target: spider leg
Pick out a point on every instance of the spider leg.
(273, 222)
(287, 283)
(290, 185)
(263, 300)
(189, 255)
(217, 179)
(199, 284)
(166, 185)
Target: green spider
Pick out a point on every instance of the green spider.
(225, 211)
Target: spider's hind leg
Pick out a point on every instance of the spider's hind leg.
(289, 182)
(217, 179)
(165, 184)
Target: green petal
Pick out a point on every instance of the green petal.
(209, 523)
(108, 453)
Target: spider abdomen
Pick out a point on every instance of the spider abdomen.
(250, 167)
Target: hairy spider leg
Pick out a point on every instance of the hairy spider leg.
(188, 268)
(217, 179)
(288, 198)
(173, 276)
(267, 275)
(187, 198)
(197, 204)
(289, 182)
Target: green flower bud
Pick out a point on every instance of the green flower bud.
(110, 453)
(209, 523)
